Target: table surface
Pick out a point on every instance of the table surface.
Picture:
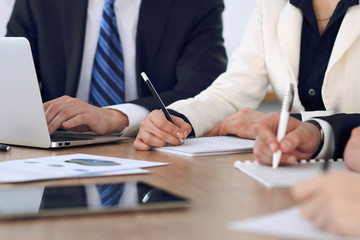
(218, 192)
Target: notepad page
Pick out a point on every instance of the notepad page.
(204, 146)
(286, 176)
(287, 224)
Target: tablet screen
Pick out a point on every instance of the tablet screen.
(85, 199)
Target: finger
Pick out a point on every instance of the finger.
(287, 159)
(299, 137)
(80, 123)
(148, 125)
(262, 152)
(64, 115)
(184, 127)
(140, 145)
(214, 131)
(307, 188)
(315, 210)
(53, 107)
(161, 127)
(151, 140)
(266, 134)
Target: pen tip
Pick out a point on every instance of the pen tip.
(144, 76)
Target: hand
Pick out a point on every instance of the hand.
(74, 114)
(300, 142)
(157, 131)
(352, 151)
(331, 202)
(240, 124)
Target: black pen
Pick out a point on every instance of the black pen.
(4, 148)
(325, 166)
(156, 95)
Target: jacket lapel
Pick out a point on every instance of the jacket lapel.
(348, 33)
(150, 31)
(289, 34)
(74, 25)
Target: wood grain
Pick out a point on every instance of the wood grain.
(218, 192)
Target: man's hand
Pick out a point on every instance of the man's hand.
(157, 131)
(331, 202)
(352, 151)
(74, 114)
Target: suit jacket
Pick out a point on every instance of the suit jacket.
(179, 44)
(342, 125)
(270, 54)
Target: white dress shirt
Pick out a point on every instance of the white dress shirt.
(6, 7)
(127, 15)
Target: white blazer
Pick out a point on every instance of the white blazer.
(270, 54)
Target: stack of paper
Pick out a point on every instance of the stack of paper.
(68, 166)
(205, 146)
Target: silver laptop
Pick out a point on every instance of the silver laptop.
(22, 117)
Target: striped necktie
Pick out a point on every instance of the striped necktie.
(110, 194)
(107, 82)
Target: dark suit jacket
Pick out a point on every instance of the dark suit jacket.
(179, 45)
(342, 125)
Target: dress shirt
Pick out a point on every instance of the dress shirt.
(316, 51)
(6, 7)
(127, 14)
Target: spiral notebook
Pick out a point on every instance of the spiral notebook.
(204, 146)
(286, 176)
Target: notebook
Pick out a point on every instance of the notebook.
(204, 146)
(286, 176)
(22, 119)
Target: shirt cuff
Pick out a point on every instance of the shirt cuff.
(312, 114)
(135, 114)
(328, 149)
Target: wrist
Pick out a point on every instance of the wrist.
(119, 120)
(321, 135)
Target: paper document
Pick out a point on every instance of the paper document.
(286, 176)
(287, 224)
(68, 166)
(205, 146)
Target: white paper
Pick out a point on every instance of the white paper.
(288, 224)
(286, 176)
(205, 146)
(56, 167)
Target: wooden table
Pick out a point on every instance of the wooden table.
(218, 192)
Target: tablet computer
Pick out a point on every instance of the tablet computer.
(40, 201)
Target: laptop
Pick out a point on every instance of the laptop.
(22, 117)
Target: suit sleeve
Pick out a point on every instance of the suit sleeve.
(202, 57)
(21, 24)
(342, 125)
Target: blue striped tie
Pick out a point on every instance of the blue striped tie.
(110, 194)
(107, 82)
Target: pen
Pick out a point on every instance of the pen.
(156, 95)
(4, 148)
(284, 117)
(325, 166)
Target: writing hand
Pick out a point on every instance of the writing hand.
(157, 131)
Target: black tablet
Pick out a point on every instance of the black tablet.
(22, 202)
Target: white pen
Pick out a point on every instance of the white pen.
(284, 117)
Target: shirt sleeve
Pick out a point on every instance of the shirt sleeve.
(328, 148)
(135, 114)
